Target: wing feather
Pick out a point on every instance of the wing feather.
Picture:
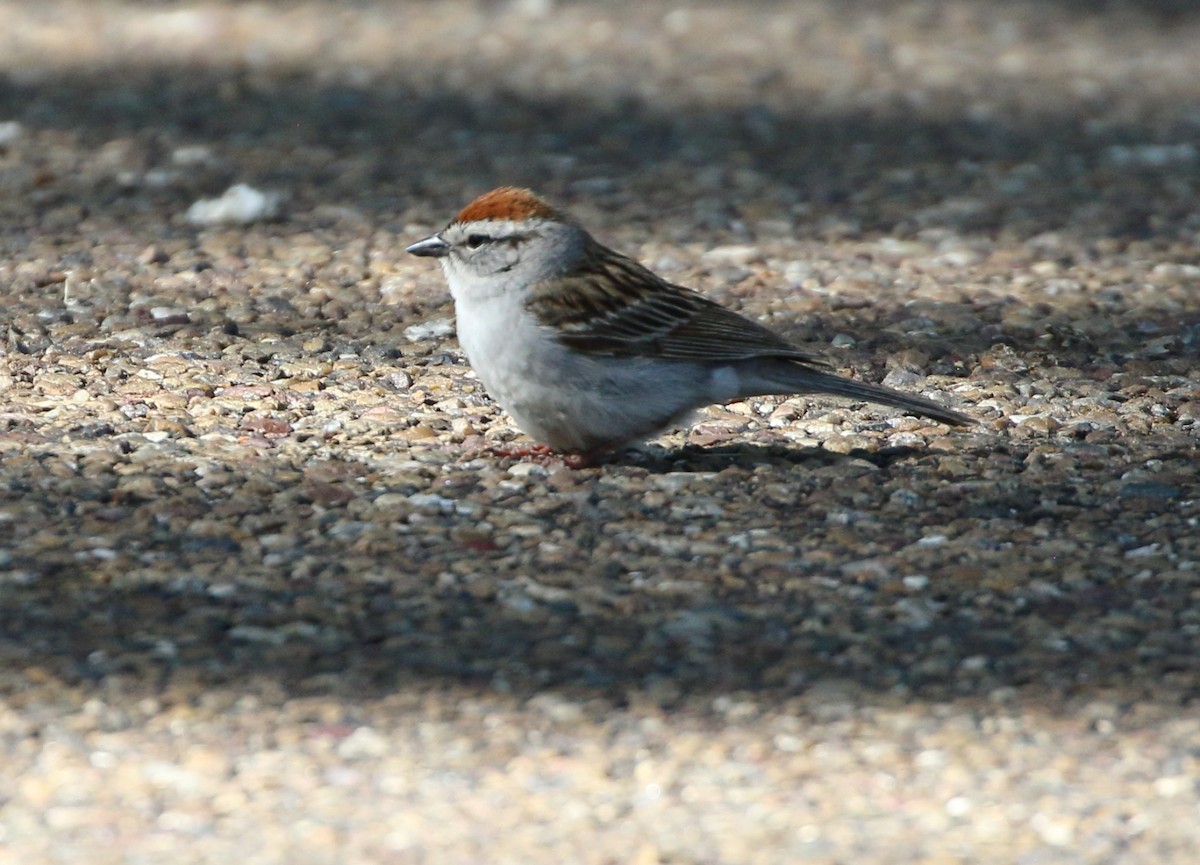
(627, 311)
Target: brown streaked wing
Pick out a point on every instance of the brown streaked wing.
(620, 318)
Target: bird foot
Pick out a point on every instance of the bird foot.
(591, 459)
(522, 450)
(545, 454)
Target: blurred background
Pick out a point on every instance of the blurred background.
(999, 118)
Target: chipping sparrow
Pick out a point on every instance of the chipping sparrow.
(588, 350)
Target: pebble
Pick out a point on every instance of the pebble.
(240, 204)
(435, 329)
(10, 131)
(169, 315)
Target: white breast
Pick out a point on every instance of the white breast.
(570, 401)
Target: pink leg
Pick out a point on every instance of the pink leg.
(520, 450)
(583, 461)
(544, 454)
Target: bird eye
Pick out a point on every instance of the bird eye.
(475, 241)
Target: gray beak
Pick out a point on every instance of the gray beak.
(432, 246)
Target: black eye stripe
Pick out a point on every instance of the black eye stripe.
(475, 241)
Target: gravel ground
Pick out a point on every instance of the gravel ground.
(265, 595)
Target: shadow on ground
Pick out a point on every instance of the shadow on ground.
(386, 147)
(369, 608)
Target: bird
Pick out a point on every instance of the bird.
(589, 351)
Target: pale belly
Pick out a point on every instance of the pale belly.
(574, 402)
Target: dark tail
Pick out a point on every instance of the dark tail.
(801, 379)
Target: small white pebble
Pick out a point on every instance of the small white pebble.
(788, 743)
(196, 154)
(241, 204)
(931, 758)
(958, 806)
(432, 329)
(1142, 552)
(533, 8)
(169, 315)
(10, 131)
(102, 759)
(1058, 831)
(1170, 786)
(363, 743)
(733, 254)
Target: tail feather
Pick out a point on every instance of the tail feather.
(800, 379)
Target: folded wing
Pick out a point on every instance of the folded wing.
(630, 312)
